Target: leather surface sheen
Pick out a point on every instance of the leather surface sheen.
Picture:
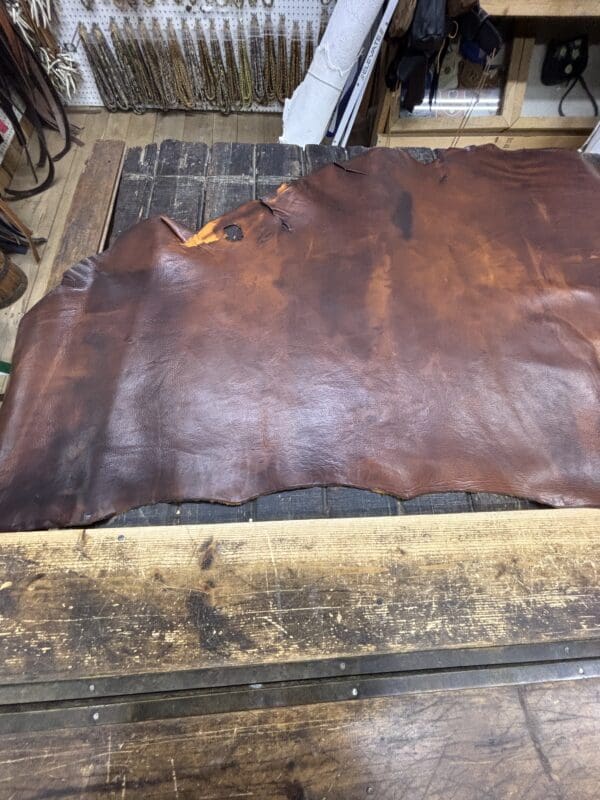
(382, 324)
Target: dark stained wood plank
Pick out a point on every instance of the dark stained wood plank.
(135, 188)
(91, 207)
(355, 150)
(224, 195)
(536, 742)
(188, 159)
(179, 197)
(298, 504)
(214, 513)
(284, 160)
(482, 501)
(156, 514)
(230, 178)
(267, 187)
(178, 185)
(133, 200)
(319, 155)
(140, 161)
(231, 158)
(341, 501)
(443, 503)
(423, 154)
(154, 599)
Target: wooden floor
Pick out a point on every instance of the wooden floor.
(47, 213)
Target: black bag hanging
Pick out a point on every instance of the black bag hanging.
(567, 61)
(476, 26)
(417, 48)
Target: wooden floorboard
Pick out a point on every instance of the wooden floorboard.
(117, 126)
(141, 129)
(198, 127)
(169, 125)
(225, 128)
(154, 599)
(90, 208)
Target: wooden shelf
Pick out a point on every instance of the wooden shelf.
(542, 8)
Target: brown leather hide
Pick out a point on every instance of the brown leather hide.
(382, 324)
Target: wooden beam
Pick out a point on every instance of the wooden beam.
(533, 741)
(91, 207)
(513, 140)
(149, 600)
(543, 8)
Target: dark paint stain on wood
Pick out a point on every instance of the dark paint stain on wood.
(208, 551)
(89, 602)
(216, 633)
(293, 790)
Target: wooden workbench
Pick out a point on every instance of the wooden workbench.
(347, 645)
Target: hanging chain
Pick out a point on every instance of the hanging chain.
(182, 84)
(295, 70)
(107, 63)
(193, 70)
(150, 94)
(245, 67)
(165, 66)
(193, 64)
(270, 62)
(282, 61)
(222, 96)
(134, 92)
(207, 72)
(100, 76)
(309, 47)
(324, 21)
(258, 62)
(152, 61)
(232, 72)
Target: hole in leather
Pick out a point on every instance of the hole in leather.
(233, 233)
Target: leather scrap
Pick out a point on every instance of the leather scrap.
(382, 324)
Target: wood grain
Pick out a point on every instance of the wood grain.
(134, 600)
(514, 140)
(91, 207)
(537, 742)
(543, 8)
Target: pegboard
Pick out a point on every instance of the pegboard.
(72, 12)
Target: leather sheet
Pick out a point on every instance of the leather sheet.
(382, 324)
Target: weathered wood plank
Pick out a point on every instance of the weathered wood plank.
(135, 188)
(537, 742)
(319, 155)
(169, 125)
(110, 601)
(184, 159)
(141, 128)
(543, 8)
(286, 160)
(198, 126)
(91, 207)
(225, 128)
(341, 501)
(231, 158)
(178, 197)
(225, 195)
(178, 189)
